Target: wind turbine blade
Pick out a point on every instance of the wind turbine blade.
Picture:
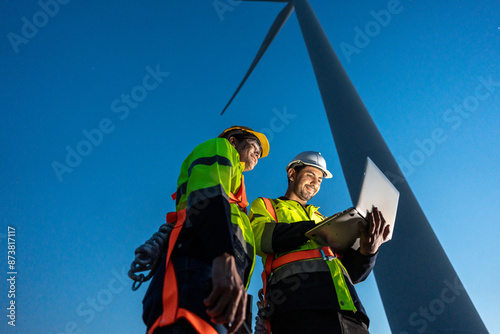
(271, 34)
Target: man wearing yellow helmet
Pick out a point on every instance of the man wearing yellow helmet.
(200, 284)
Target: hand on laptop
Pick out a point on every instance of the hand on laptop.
(374, 234)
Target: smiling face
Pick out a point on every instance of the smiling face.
(249, 150)
(304, 184)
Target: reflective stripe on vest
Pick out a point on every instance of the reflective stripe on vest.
(299, 267)
(343, 295)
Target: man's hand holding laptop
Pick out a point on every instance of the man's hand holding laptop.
(373, 234)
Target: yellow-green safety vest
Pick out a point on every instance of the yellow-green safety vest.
(289, 211)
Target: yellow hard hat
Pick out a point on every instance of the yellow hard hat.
(237, 129)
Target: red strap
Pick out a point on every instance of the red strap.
(269, 263)
(241, 197)
(301, 255)
(171, 310)
(171, 217)
(270, 208)
(170, 293)
(270, 257)
(198, 323)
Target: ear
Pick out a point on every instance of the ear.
(291, 174)
(233, 141)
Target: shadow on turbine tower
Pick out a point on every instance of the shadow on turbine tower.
(420, 290)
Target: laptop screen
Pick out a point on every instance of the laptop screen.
(378, 191)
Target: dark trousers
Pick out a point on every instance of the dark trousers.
(317, 322)
(193, 282)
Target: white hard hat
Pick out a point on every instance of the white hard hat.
(310, 158)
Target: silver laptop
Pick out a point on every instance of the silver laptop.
(341, 230)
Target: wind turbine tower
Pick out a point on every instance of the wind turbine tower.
(420, 290)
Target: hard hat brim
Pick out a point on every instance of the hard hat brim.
(326, 173)
(264, 143)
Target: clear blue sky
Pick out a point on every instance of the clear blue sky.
(429, 77)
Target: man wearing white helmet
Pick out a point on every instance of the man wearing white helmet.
(307, 288)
